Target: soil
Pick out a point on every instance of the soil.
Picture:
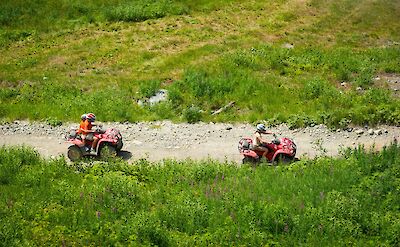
(156, 141)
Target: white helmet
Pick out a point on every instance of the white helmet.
(83, 117)
(91, 117)
(261, 128)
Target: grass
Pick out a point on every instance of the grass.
(351, 199)
(206, 54)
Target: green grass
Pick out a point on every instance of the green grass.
(352, 199)
(268, 83)
(80, 57)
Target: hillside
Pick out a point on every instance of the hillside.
(300, 62)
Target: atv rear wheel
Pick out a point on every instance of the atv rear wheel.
(74, 153)
(107, 151)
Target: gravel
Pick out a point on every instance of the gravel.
(163, 139)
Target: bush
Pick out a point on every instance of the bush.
(192, 114)
(12, 160)
(148, 89)
(144, 10)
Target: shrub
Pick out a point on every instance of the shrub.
(192, 114)
(148, 89)
(53, 122)
(144, 10)
(12, 160)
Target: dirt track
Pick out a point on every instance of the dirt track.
(164, 140)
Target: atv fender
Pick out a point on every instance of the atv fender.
(280, 152)
(250, 153)
(110, 141)
(77, 142)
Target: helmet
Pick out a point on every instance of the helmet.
(91, 117)
(261, 128)
(83, 117)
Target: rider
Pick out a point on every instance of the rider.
(79, 131)
(258, 142)
(87, 132)
(81, 124)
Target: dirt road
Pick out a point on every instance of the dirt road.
(165, 140)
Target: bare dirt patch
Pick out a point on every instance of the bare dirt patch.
(389, 81)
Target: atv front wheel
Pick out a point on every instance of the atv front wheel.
(107, 151)
(74, 153)
(284, 159)
(120, 144)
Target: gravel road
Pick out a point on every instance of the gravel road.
(156, 141)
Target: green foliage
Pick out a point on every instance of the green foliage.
(297, 121)
(62, 58)
(66, 13)
(148, 89)
(53, 122)
(12, 160)
(326, 201)
(144, 10)
(192, 114)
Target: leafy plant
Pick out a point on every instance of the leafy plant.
(192, 114)
(321, 201)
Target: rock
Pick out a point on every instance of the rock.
(160, 96)
(371, 132)
(359, 132)
(378, 132)
(288, 46)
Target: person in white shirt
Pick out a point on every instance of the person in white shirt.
(258, 141)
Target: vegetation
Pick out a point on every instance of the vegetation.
(350, 200)
(280, 61)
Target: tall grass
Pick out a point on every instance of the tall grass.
(352, 199)
(216, 53)
(39, 14)
(299, 86)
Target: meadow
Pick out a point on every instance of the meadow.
(298, 62)
(349, 200)
(279, 61)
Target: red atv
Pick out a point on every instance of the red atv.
(280, 150)
(110, 142)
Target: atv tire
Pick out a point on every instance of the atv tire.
(120, 145)
(283, 159)
(74, 153)
(107, 151)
